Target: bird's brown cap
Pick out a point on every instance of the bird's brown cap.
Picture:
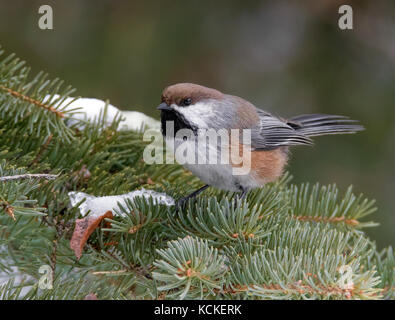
(178, 92)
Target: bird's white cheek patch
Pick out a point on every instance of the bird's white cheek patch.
(198, 113)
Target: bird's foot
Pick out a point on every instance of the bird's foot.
(181, 203)
(240, 197)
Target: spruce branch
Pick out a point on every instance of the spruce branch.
(32, 101)
(322, 205)
(189, 267)
(26, 101)
(42, 150)
(350, 222)
(29, 176)
(282, 241)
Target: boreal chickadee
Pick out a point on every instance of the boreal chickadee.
(191, 106)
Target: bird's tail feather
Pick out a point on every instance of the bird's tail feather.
(313, 125)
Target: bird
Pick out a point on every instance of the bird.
(192, 108)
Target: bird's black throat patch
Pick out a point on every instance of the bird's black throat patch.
(178, 119)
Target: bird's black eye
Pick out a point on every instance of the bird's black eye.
(186, 102)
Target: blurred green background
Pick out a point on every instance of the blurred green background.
(288, 57)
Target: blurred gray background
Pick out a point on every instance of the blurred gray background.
(288, 57)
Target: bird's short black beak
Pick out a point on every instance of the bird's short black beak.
(164, 106)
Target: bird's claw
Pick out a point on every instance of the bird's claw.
(181, 203)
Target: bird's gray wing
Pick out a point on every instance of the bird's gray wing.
(273, 132)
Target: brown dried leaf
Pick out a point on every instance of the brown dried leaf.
(83, 229)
